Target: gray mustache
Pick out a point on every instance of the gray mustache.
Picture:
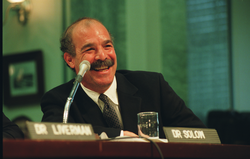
(100, 63)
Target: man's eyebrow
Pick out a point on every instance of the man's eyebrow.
(108, 41)
(87, 45)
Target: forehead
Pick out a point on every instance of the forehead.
(89, 28)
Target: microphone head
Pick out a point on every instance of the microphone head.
(83, 67)
(86, 63)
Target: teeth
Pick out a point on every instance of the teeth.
(102, 68)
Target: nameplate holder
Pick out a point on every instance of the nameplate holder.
(60, 131)
(191, 135)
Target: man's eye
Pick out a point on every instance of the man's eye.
(90, 49)
(108, 45)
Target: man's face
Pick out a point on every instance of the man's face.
(93, 43)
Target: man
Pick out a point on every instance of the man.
(130, 91)
(20, 121)
(11, 130)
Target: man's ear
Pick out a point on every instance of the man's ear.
(69, 60)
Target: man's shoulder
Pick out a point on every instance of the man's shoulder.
(65, 87)
(138, 74)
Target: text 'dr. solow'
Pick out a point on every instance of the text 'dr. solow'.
(191, 135)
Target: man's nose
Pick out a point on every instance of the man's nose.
(100, 55)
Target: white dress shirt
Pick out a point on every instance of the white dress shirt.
(111, 92)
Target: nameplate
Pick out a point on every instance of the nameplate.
(60, 131)
(191, 135)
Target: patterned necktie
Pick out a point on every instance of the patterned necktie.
(109, 112)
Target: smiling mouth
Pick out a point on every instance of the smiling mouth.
(102, 68)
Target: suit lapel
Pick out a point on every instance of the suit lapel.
(130, 105)
(90, 111)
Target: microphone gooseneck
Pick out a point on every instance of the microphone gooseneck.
(83, 68)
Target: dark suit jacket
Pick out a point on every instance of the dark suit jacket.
(11, 130)
(138, 91)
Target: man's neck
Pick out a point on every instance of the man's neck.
(99, 89)
(110, 92)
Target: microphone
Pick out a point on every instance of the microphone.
(83, 68)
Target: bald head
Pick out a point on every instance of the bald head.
(66, 41)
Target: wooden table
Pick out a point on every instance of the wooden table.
(112, 149)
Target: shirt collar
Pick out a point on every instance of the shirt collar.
(110, 92)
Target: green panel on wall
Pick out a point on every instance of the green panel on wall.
(174, 45)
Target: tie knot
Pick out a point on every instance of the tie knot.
(103, 98)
